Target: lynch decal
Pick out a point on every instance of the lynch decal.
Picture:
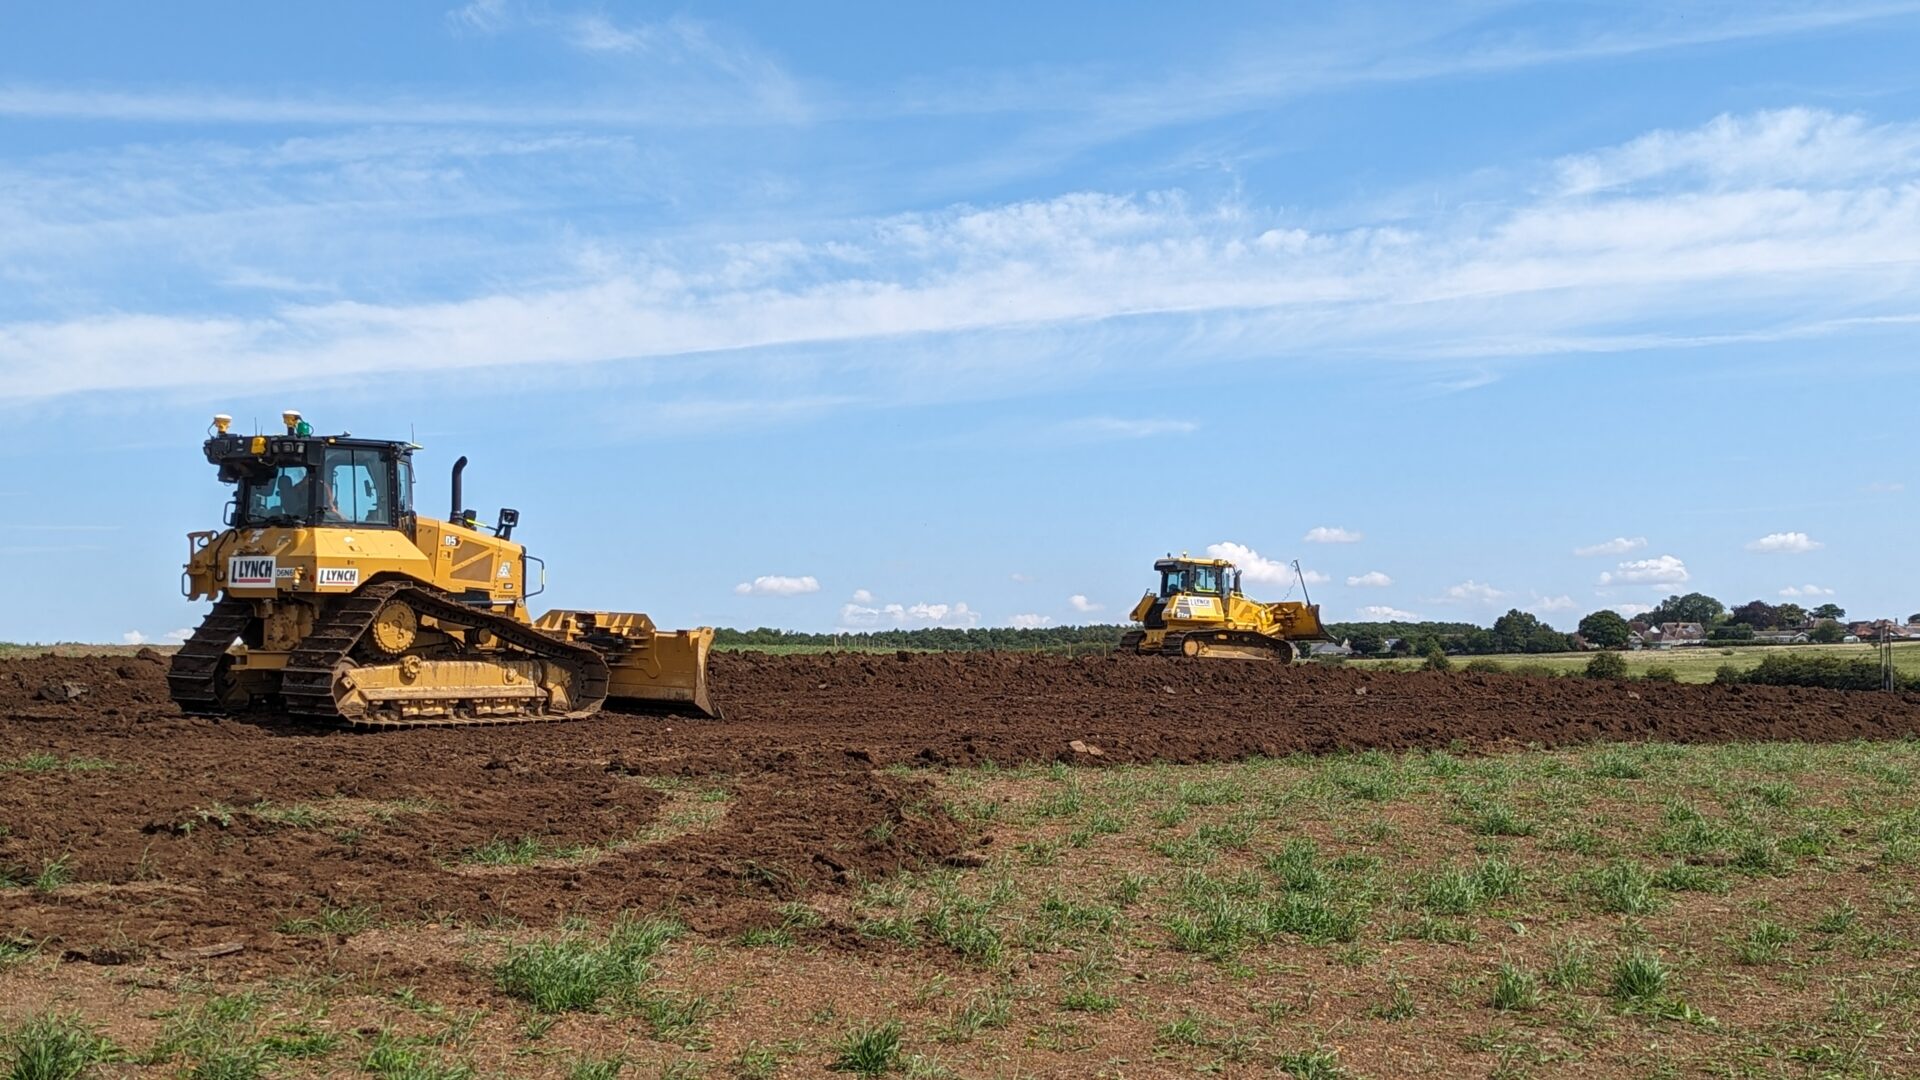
(250, 572)
(347, 576)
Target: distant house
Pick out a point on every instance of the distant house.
(1325, 649)
(1780, 637)
(1674, 635)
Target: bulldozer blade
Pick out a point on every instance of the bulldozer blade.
(647, 667)
(670, 671)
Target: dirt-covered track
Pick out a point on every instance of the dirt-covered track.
(179, 832)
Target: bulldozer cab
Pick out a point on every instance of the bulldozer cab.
(1187, 577)
(289, 481)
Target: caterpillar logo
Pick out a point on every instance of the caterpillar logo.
(250, 572)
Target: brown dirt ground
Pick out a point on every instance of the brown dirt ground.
(188, 839)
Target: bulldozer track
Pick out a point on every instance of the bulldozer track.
(307, 686)
(193, 678)
(1174, 645)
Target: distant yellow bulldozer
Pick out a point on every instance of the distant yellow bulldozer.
(1201, 612)
(335, 601)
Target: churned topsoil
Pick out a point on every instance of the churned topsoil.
(182, 833)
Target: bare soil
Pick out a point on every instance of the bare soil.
(195, 832)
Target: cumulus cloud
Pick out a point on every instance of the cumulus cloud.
(1630, 610)
(956, 614)
(180, 635)
(1383, 613)
(1619, 545)
(1544, 604)
(133, 637)
(1472, 592)
(1665, 570)
(1314, 577)
(776, 585)
(1082, 604)
(1372, 579)
(862, 596)
(1332, 534)
(1806, 590)
(1254, 567)
(1030, 622)
(1785, 543)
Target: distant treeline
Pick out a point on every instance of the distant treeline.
(1513, 632)
(935, 638)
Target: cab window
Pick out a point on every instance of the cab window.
(1206, 579)
(355, 488)
(284, 495)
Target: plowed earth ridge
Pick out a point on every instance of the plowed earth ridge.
(181, 832)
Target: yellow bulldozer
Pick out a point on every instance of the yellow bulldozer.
(1200, 611)
(336, 602)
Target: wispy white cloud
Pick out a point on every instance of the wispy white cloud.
(1663, 570)
(1630, 610)
(1372, 579)
(1792, 146)
(1544, 605)
(480, 16)
(1324, 534)
(1083, 605)
(1619, 545)
(1555, 272)
(1093, 428)
(1030, 621)
(1806, 590)
(777, 585)
(1386, 613)
(1472, 592)
(1885, 487)
(862, 596)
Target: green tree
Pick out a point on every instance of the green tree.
(1827, 632)
(1791, 614)
(1365, 642)
(1606, 629)
(1437, 659)
(1693, 607)
(1830, 611)
(1758, 614)
(1511, 631)
(1914, 619)
(1607, 665)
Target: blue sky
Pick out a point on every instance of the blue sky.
(889, 315)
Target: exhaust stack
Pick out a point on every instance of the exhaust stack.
(458, 468)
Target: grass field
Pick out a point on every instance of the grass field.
(1633, 910)
(1694, 665)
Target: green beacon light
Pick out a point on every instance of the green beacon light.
(296, 426)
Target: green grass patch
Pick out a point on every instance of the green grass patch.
(571, 972)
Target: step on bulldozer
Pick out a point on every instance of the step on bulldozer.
(1201, 612)
(336, 602)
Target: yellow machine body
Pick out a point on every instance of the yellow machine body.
(1199, 611)
(335, 600)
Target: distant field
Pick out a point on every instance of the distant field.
(12, 651)
(1693, 665)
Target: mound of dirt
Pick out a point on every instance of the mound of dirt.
(182, 832)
